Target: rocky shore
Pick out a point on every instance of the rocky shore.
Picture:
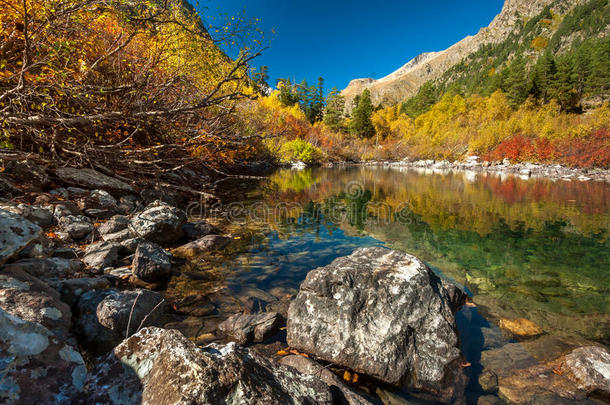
(475, 165)
(84, 316)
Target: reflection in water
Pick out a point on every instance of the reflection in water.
(525, 248)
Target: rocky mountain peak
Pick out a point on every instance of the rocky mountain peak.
(404, 82)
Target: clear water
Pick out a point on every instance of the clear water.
(523, 248)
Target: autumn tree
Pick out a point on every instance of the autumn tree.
(139, 86)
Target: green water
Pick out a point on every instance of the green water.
(523, 248)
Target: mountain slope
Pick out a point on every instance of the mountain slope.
(405, 82)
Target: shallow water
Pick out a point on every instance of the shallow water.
(523, 248)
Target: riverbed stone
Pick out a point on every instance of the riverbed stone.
(37, 367)
(521, 327)
(115, 224)
(159, 222)
(106, 317)
(78, 227)
(101, 255)
(52, 268)
(590, 367)
(307, 366)
(91, 179)
(151, 263)
(27, 297)
(157, 366)
(245, 329)
(16, 233)
(201, 246)
(196, 230)
(383, 313)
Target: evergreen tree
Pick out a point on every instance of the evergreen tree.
(516, 81)
(361, 124)
(543, 76)
(333, 113)
(421, 102)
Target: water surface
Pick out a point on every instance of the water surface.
(523, 248)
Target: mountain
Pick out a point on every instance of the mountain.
(406, 81)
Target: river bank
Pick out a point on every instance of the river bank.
(523, 170)
(92, 269)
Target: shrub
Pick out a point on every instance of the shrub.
(300, 150)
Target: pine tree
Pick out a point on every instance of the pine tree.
(516, 81)
(361, 124)
(543, 76)
(333, 113)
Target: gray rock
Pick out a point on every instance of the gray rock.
(60, 192)
(158, 366)
(106, 317)
(91, 179)
(128, 204)
(41, 216)
(159, 223)
(36, 366)
(129, 246)
(151, 262)
(78, 227)
(99, 213)
(76, 192)
(196, 230)
(245, 329)
(201, 246)
(104, 199)
(120, 236)
(32, 300)
(307, 366)
(382, 313)
(64, 209)
(8, 189)
(72, 289)
(16, 233)
(590, 368)
(102, 254)
(28, 172)
(52, 268)
(115, 224)
(508, 358)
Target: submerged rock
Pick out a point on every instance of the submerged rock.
(106, 317)
(521, 327)
(382, 313)
(203, 245)
(244, 329)
(37, 367)
(196, 230)
(159, 222)
(16, 233)
(157, 366)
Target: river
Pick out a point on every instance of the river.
(521, 247)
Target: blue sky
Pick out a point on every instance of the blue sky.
(342, 40)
